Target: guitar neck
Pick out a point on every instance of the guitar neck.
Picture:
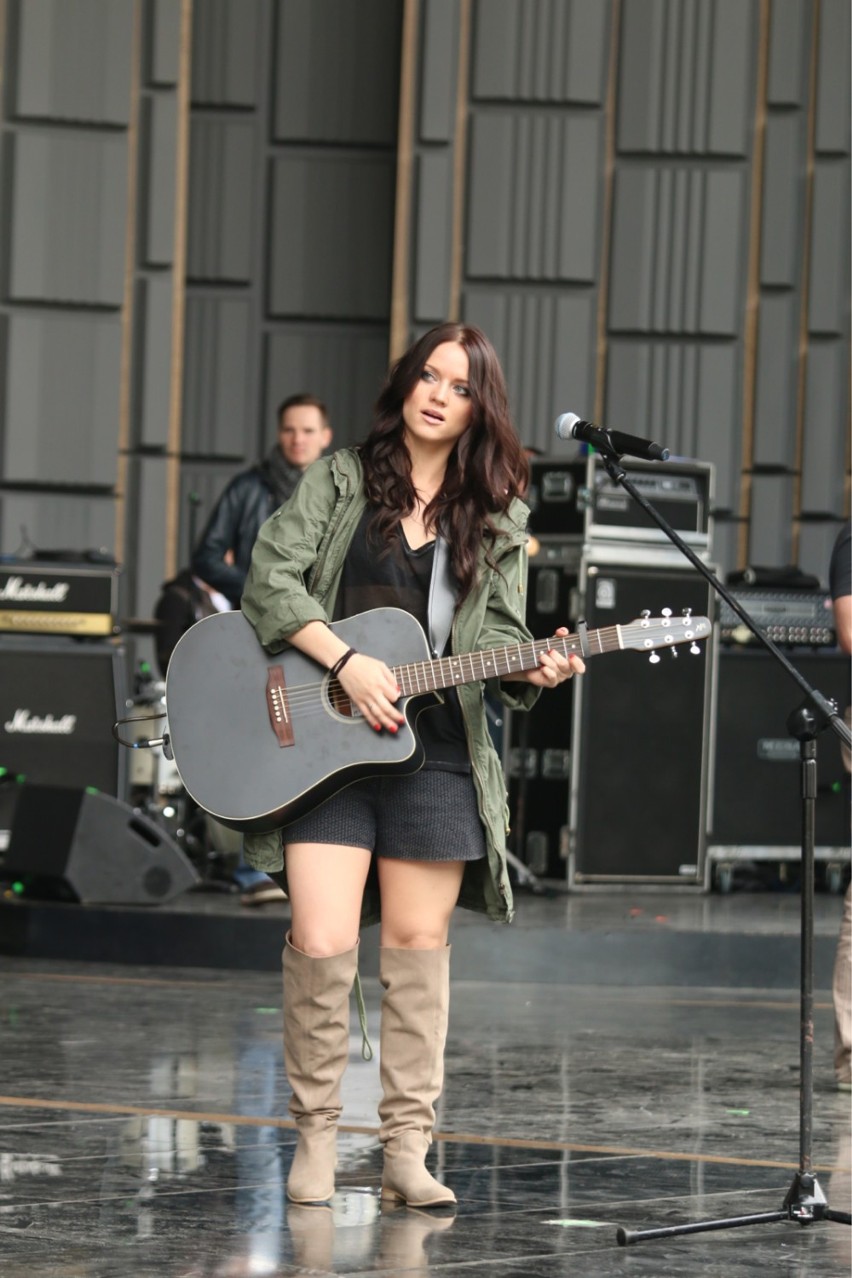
(495, 663)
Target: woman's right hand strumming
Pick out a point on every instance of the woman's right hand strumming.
(370, 685)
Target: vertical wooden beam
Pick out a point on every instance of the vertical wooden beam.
(460, 158)
(178, 291)
(400, 286)
(130, 234)
(610, 108)
(752, 316)
(805, 280)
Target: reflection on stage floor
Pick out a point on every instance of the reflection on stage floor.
(144, 1130)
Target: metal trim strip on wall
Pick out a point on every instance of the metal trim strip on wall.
(173, 463)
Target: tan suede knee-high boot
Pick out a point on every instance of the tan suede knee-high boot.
(316, 1049)
(415, 1009)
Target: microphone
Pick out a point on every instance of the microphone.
(570, 426)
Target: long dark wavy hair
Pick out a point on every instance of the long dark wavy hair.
(485, 471)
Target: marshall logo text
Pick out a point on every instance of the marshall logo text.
(23, 721)
(20, 591)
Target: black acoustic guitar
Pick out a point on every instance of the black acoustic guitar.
(259, 740)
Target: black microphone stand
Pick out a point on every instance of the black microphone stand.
(805, 1201)
(194, 499)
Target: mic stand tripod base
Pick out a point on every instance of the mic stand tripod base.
(526, 878)
(804, 1203)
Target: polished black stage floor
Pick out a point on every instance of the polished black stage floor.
(633, 935)
(144, 1128)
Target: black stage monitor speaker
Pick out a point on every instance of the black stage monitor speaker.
(58, 701)
(642, 737)
(71, 845)
(757, 787)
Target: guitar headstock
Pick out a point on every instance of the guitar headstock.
(648, 633)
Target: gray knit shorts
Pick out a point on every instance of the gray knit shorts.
(429, 816)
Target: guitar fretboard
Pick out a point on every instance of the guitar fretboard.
(495, 663)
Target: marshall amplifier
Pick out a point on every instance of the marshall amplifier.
(58, 702)
(59, 598)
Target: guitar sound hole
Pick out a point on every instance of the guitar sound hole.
(341, 704)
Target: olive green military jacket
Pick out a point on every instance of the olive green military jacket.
(294, 578)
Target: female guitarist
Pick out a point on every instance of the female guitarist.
(425, 516)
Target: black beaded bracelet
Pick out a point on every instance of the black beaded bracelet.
(339, 664)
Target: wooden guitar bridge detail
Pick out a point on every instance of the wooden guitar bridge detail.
(278, 707)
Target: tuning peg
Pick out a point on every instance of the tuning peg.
(687, 615)
(694, 649)
(654, 658)
(645, 614)
(666, 613)
(673, 651)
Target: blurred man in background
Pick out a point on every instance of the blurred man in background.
(223, 553)
(251, 497)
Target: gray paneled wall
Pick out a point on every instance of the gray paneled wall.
(346, 363)
(799, 453)
(534, 201)
(524, 222)
(336, 72)
(320, 264)
(66, 69)
(508, 111)
(291, 178)
(435, 150)
(539, 51)
(151, 434)
(292, 188)
(644, 202)
(546, 341)
(615, 242)
(217, 374)
(87, 243)
(228, 41)
(62, 390)
(67, 217)
(678, 266)
(686, 77)
(55, 520)
(72, 61)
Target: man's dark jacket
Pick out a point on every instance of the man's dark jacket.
(246, 503)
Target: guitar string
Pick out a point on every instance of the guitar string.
(315, 695)
(420, 670)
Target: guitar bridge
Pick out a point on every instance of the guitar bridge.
(278, 706)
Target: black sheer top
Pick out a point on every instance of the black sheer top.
(392, 575)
